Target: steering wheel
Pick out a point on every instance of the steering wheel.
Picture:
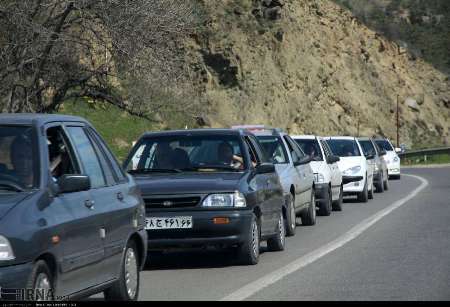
(11, 181)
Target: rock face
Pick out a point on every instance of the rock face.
(314, 69)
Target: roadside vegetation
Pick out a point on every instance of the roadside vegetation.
(424, 160)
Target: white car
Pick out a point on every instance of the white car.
(357, 172)
(327, 176)
(392, 159)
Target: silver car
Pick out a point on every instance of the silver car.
(296, 176)
(380, 170)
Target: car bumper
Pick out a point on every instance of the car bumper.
(204, 231)
(14, 277)
(354, 187)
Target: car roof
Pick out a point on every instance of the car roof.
(39, 118)
(364, 138)
(203, 131)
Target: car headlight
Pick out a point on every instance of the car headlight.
(352, 170)
(235, 199)
(396, 159)
(6, 252)
(319, 178)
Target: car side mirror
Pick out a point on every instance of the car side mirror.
(370, 157)
(303, 160)
(333, 159)
(265, 168)
(74, 183)
(397, 149)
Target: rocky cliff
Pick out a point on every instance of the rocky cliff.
(311, 66)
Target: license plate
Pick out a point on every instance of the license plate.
(178, 222)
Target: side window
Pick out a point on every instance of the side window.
(296, 151)
(294, 154)
(106, 166)
(60, 153)
(87, 156)
(117, 170)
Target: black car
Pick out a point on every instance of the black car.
(71, 221)
(208, 187)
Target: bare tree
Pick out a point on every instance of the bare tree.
(52, 50)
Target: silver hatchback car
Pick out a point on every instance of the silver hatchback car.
(295, 172)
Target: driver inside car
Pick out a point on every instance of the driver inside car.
(226, 156)
(22, 161)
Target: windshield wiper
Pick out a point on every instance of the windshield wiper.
(154, 170)
(11, 187)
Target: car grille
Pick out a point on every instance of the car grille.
(172, 202)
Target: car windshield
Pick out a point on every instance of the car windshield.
(367, 147)
(344, 148)
(273, 149)
(182, 153)
(310, 147)
(18, 171)
(384, 144)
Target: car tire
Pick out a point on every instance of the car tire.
(291, 224)
(40, 278)
(337, 204)
(379, 184)
(364, 195)
(386, 184)
(309, 215)
(277, 243)
(248, 252)
(127, 287)
(325, 205)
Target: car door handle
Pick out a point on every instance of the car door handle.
(89, 204)
(120, 196)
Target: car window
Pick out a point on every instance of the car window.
(273, 149)
(60, 153)
(384, 144)
(311, 148)
(254, 157)
(18, 158)
(187, 153)
(88, 156)
(110, 159)
(344, 147)
(295, 153)
(367, 147)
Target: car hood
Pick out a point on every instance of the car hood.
(9, 201)
(187, 183)
(390, 155)
(348, 162)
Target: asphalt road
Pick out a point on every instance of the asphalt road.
(395, 247)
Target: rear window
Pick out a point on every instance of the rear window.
(384, 144)
(311, 147)
(344, 148)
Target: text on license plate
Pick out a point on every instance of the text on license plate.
(179, 222)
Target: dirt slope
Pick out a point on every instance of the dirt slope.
(312, 67)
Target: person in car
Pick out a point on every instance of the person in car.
(225, 154)
(22, 160)
(311, 151)
(163, 156)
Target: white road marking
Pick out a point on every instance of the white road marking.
(267, 280)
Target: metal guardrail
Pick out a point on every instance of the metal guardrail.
(425, 152)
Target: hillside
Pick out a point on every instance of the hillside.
(313, 67)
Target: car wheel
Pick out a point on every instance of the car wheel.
(386, 184)
(325, 205)
(249, 250)
(309, 215)
(127, 287)
(364, 195)
(337, 204)
(380, 185)
(278, 242)
(40, 278)
(291, 224)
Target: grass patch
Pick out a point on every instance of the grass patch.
(117, 127)
(424, 160)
